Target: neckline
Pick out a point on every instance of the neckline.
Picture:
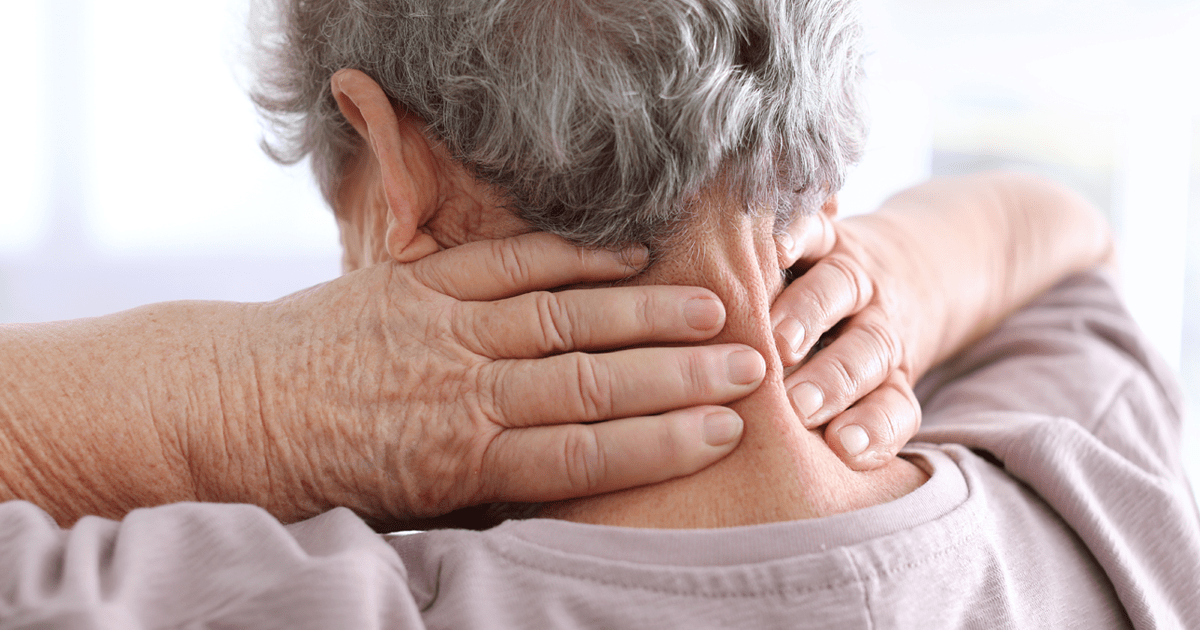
(945, 490)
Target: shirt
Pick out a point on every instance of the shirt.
(1056, 498)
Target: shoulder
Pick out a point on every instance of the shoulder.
(1069, 398)
(190, 564)
(1073, 355)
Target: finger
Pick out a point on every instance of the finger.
(861, 358)
(542, 323)
(563, 462)
(835, 288)
(495, 269)
(869, 434)
(806, 240)
(580, 387)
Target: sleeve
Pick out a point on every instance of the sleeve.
(1073, 354)
(198, 565)
(1069, 397)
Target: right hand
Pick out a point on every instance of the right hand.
(857, 383)
(407, 391)
(935, 267)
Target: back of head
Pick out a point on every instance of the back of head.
(609, 123)
(600, 119)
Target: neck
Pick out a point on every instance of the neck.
(780, 471)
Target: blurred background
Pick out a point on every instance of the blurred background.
(131, 174)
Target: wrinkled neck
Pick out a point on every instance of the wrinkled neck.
(780, 471)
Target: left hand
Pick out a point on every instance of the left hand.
(857, 383)
(408, 391)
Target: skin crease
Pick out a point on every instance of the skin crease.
(780, 471)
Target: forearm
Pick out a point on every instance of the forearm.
(980, 247)
(399, 391)
(103, 415)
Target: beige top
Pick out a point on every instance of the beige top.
(1056, 499)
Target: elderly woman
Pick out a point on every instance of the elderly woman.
(268, 403)
(701, 130)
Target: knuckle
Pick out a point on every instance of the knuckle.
(427, 275)
(885, 299)
(697, 371)
(489, 481)
(845, 377)
(836, 290)
(464, 325)
(643, 312)
(593, 390)
(485, 398)
(512, 263)
(898, 414)
(826, 290)
(668, 440)
(553, 321)
(887, 429)
(584, 260)
(883, 343)
(843, 266)
(583, 460)
(855, 277)
(838, 379)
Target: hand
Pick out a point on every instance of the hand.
(407, 391)
(845, 310)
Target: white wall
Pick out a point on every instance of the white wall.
(131, 169)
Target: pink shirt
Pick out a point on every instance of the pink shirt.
(1056, 499)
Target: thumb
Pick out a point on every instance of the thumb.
(807, 240)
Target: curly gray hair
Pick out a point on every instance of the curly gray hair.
(600, 118)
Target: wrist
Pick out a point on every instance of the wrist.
(253, 379)
(281, 418)
(202, 392)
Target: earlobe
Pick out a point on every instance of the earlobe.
(406, 245)
(407, 168)
(830, 208)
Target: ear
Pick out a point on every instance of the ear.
(830, 208)
(407, 167)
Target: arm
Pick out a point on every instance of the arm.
(936, 267)
(401, 391)
(970, 251)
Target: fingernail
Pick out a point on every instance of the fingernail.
(792, 332)
(635, 256)
(721, 428)
(745, 367)
(807, 399)
(854, 439)
(702, 313)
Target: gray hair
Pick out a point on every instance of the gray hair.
(600, 118)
